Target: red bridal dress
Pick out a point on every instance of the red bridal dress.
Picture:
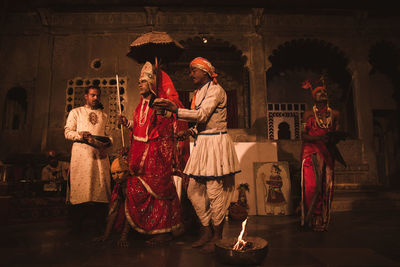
(152, 205)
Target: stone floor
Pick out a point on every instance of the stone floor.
(362, 238)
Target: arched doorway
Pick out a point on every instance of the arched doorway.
(284, 131)
(15, 130)
(15, 109)
(301, 59)
(232, 75)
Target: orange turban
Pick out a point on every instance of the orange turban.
(206, 66)
(308, 86)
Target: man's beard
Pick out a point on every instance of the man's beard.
(97, 105)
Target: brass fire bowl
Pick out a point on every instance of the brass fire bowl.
(253, 255)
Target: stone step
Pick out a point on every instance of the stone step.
(366, 200)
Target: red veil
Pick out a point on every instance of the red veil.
(152, 205)
(167, 90)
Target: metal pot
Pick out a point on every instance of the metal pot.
(249, 256)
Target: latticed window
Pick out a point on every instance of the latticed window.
(76, 89)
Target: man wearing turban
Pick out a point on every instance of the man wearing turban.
(213, 161)
(317, 161)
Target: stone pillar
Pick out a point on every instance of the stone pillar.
(257, 86)
(43, 88)
(364, 115)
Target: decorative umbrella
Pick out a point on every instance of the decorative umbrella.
(155, 47)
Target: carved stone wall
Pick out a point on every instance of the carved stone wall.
(43, 50)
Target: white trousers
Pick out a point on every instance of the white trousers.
(211, 199)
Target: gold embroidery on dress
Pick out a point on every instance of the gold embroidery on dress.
(143, 114)
(93, 119)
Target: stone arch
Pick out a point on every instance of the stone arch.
(301, 59)
(233, 76)
(15, 109)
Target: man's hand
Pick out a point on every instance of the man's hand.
(85, 135)
(165, 104)
(121, 119)
(183, 135)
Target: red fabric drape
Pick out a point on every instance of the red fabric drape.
(152, 204)
(232, 109)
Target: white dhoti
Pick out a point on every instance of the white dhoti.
(211, 199)
(213, 156)
(213, 161)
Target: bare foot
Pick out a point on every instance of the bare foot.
(160, 238)
(100, 238)
(319, 229)
(123, 243)
(318, 224)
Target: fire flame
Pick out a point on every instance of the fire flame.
(240, 244)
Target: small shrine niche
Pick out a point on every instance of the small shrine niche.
(284, 120)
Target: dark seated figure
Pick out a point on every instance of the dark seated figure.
(54, 175)
(116, 213)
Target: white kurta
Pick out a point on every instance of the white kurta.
(89, 169)
(213, 154)
(213, 161)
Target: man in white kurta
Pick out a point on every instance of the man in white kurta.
(213, 161)
(90, 166)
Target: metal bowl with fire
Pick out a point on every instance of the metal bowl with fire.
(238, 251)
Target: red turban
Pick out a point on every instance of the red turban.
(308, 86)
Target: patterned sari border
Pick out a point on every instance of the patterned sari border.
(151, 232)
(151, 192)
